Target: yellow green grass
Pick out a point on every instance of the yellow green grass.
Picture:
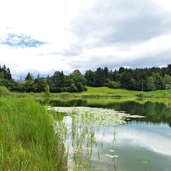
(114, 93)
(109, 92)
(159, 94)
(104, 92)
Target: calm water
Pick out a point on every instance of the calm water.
(138, 145)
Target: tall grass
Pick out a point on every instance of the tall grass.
(27, 138)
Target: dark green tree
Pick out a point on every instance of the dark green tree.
(127, 81)
(159, 82)
(150, 83)
(79, 80)
(29, 77)
(39, 85)
(90, 77)
(99, 77)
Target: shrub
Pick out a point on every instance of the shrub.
(140, 95)
(113, 84)
(4, 91)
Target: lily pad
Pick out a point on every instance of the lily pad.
(96, 116)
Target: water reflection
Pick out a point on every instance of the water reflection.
(68, 103)
(155, 112)
(139, 134)
(138, 145)
(130, 147)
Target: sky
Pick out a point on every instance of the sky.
(43, 36)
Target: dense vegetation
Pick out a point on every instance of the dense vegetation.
(145, 79)
(27, 137)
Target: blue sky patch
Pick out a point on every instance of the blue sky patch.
(22, 40)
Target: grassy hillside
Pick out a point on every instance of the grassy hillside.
(159, 94)
(93, 92)
(103, 92)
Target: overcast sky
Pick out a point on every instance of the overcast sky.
(47, 35)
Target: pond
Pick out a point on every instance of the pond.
(139, 144)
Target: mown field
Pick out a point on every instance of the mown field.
(104, 92)
(109, 92)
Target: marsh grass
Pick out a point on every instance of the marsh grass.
(27, 137)
(81, 138)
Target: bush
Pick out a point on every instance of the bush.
(4, 91)
(140, 95)
(113, 84)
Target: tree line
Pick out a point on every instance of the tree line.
(142, 79)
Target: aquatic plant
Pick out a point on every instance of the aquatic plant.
(96, 116)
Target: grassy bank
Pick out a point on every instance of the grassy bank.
(27, 138)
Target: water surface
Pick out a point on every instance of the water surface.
(140, 144)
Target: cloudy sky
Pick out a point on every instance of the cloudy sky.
(42, 36)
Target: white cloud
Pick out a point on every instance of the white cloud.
(85, 34)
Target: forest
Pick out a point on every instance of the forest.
(141, 79)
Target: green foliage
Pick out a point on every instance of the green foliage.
(28, 141)
(4, 91)
(59, 82)
(29, 77)
(79, 80)
(150, 83)
(127, 81)
(167, 79)
(39, 85)
(113, 84)
(47, 90)
(10, 84)
(90, 77)
(145, 79)
(100, 77)
(73, 88)
(159, 82)
(28, 86)
(5, 73)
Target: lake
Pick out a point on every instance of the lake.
(142, 144)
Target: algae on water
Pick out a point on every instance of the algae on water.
(96, 116)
